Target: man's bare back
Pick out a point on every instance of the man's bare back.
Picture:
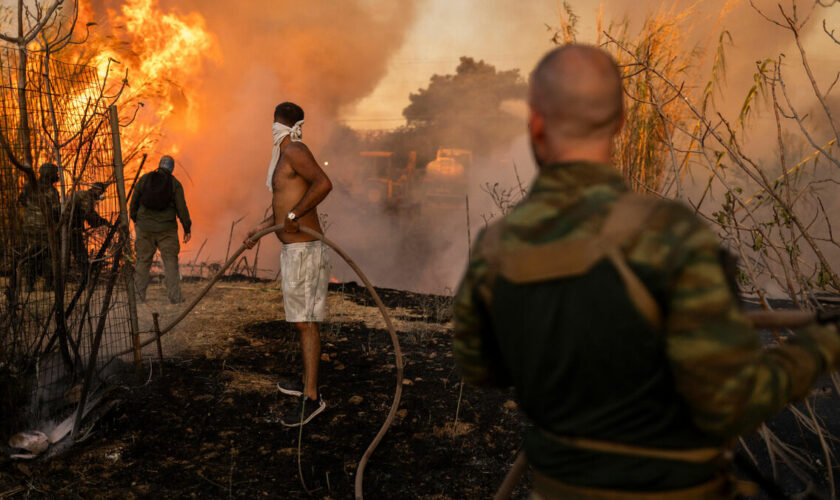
(298, 185)
(293, 179)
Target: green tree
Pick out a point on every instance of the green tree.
(465, 109)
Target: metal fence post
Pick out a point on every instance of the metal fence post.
(125, 238)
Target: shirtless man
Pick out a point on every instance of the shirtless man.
(298, 185)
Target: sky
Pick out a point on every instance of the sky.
(514, 34)
(506, 33)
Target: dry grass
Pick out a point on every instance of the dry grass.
(771, 214)
(209, 328)
(643, 151)
(251, 382)
(453, 429)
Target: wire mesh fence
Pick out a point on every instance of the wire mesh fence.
(63, 271)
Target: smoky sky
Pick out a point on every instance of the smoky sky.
(327, 57)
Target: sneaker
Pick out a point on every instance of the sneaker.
(290, 386)
(304, 411)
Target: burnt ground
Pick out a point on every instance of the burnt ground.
(208, 427)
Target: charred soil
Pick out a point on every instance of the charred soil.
(207, 424)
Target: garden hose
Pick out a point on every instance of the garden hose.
(360, 469)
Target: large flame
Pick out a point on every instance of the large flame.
(216, 119)
(163, 55)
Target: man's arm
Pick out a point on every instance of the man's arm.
(474, 348)
(54, 203)
(265, 224)
(95, 220)
(134, 205)
(182, 212)
(91, 215)
(729, 380)
(304, 164)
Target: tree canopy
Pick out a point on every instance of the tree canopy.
(465, 109)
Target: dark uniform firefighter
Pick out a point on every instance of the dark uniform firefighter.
(157, 200)
(611, 315)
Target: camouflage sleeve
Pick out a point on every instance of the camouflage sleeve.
(470, 320)
(731, 382)
(86, 206)
(94, 219)
(475, 348)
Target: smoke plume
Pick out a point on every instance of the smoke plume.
(327, 58)
(317, 55)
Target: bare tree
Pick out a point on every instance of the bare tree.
(770, 206)
(59, 118)
(31, 21)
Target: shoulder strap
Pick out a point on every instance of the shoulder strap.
(624, 223)
(567, 258)
(627, 217)
(691, 455)
(636, 290)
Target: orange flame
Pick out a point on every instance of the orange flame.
(164, 54)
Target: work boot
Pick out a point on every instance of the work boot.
(303, 412)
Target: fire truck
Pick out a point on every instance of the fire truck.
(386, 185)
(445, 182)
(382, 184)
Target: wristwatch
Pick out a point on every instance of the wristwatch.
(291, 216)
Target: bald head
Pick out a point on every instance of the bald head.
(577, 90)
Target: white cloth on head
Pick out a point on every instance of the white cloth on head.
(280, 132)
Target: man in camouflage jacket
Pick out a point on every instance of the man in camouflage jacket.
(36, 259)
(82, 206)
(602, 382)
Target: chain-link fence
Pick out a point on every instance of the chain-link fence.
(64, 262)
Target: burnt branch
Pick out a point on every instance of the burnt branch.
(765, 16)
(41, 21)
(133, 116)
(831, 87)
(26, 169)
(830, 33)
(827, 220)
(806, 65)
(793, 114)
(731, 147)
(61, 38)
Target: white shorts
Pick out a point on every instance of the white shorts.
(305, 268)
